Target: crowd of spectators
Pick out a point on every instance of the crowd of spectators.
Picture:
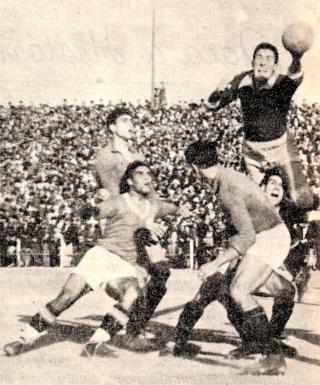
(47, 157)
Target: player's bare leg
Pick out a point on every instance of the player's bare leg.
(126, 291)
(283, 292)
(250, 276)
(74, 288)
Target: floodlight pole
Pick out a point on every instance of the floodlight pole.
(152, 58)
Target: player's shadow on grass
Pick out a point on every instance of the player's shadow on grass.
(80, 333)
(199, 335)
(305, 335)
(164, 334)
(308, 360)
(60, 332)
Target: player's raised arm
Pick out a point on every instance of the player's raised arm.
(295, 70)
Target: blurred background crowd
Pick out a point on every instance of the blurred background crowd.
(47, 158)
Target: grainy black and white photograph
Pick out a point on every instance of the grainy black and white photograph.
(160, 192)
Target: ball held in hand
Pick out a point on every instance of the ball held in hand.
(298, 38)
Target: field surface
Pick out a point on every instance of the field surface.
(55, 359)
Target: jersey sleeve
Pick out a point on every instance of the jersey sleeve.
(99, 167)
(165, 208)
(289, 84)
(229, 93)
(110, 207)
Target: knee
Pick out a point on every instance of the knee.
(130, 285)
(287, 294)
(238, 293)
(211, 289)
(130, 293)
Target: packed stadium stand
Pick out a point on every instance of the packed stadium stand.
(47, 156)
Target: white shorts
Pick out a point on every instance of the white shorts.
(258, 153)
(272, 246)
(98, 266)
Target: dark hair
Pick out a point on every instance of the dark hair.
(267, 46)
(281, 173)
(202, 154)
(116, 113)
(124, 185)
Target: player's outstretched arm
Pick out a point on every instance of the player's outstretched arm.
(295, 66)
(222, 97)
(158, 229)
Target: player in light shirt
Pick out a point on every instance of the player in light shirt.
(110, 265)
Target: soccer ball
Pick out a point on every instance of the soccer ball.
(298, 38)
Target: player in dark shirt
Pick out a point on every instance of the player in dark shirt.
(265, 99)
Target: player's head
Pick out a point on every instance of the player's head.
(265, 60)
(138, 177)
(276, 185)
(120, 123)
(201, 155)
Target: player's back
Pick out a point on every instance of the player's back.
(239, 194)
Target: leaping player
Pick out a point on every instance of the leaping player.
(265, 99)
